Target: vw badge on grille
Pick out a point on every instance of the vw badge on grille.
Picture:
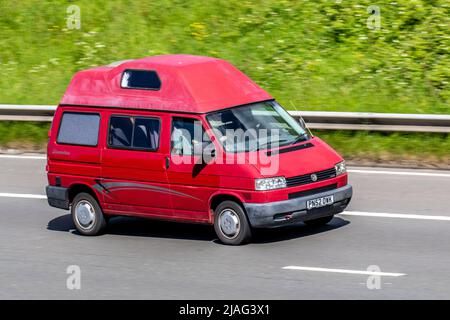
(313, 177)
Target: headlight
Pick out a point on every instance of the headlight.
(340, 168)
(270, 183)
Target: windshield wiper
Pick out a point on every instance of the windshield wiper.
(301, 137)
(268, 143)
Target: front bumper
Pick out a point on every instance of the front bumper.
(274, 214)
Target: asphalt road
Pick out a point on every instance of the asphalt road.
(398, 221)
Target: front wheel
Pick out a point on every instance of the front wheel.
(231, 224)
(318, 222)
(87, 215)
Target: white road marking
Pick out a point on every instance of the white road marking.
(23, 195)
(401, 173)
(369, 273)
(345, 213)
(395, 215)
(12, 156)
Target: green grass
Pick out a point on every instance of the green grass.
(24, 135)
(418, 148)
(312, 55)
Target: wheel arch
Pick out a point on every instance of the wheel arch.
(218, 198)
(77, 188)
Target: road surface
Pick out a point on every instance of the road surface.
(393, 242)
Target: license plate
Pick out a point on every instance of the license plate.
(319, 202)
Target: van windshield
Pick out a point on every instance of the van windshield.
(256, 126)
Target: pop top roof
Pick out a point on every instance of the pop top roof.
(187, 84)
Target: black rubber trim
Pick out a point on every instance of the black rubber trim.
(290, 149)
(312, 191)
(58, 197)
(307, 178)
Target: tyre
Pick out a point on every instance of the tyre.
(318, 222)
(231, 224)
(87, 215)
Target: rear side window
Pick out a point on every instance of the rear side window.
(140, 79)
(79, 129)
(134, 133)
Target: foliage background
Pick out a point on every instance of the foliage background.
(315, 55)
(310, 55)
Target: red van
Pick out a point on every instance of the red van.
(187, 138)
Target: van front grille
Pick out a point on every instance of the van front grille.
(309, 192)
(306, 178)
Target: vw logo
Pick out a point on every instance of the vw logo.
(313, 177)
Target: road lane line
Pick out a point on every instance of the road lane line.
(401, 173)
(369, 273)
(11, 156)
(395, 215)
(345, 213)
(23, 195)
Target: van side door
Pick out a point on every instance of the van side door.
(192, 181)
(134, 178)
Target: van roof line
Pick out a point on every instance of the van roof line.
(194, 84)
(117, 63)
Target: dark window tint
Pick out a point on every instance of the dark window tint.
(261, 125)
(146, 133)
(132, 132)
(121, 131)
(79, 129)
(140, 79)
(188, 136)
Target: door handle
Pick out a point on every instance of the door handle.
(167, 163)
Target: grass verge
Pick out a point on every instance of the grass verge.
(419, 150)
(27, 136)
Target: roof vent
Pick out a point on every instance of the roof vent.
(140, 79)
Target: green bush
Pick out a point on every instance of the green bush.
(317, 55)
(24, 135)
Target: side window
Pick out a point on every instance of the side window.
(188, 137)
(79, 129)
(134, 133)
(146, 133)
(120, 131)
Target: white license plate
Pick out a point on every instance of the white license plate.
(319, 202)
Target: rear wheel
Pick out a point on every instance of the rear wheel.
(87, 215)
(318, 222)
(231, 224)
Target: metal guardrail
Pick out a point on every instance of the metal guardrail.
(14, 112)
(396, 122)
(367, 121)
